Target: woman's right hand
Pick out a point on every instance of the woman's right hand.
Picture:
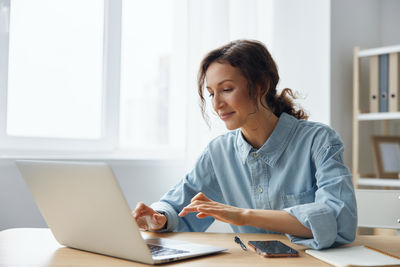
(147, 218)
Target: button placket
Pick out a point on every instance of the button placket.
(263, 189)
(258, 173)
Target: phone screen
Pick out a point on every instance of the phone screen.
(273, 248)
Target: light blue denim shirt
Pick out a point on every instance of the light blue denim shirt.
(299, 169)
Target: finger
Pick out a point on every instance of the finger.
(200, 196)
(140, 206)
(202, 215)
(150, 222)
(157, 221)
(142, 223)
(147, 223)
(190, 208)
(142, 210)
(212, 209)
(187, 210)
(158, 217)
(211, 212)
(196, 205)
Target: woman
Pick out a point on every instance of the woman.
(274, 172)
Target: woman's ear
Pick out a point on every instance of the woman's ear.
(262, 91)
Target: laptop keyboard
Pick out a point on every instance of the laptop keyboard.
(161, 251)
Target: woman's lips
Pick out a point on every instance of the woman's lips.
(225, 116)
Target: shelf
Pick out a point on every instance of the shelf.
(379, 116)
(379, 51)
(378, 182)
(382, 183)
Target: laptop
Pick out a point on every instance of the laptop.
(85, 209)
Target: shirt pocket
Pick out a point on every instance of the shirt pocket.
(293, 199)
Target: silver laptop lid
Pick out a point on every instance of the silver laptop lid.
(84, 207)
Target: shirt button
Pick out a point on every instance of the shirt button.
(255, 154)
(259, 189)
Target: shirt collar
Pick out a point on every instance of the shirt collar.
(242, 146)
(275, 144)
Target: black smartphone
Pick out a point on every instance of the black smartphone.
(273, 248)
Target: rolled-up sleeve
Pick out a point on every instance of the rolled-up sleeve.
(200, 179)
(332, 217)
(169, 212)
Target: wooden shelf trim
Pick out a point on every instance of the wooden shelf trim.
(378, 182)
(379, 116)
(379, 51)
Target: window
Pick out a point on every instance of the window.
(59, 67)
(55, 69)
(61, 63)
(112, 75)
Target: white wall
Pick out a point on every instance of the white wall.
(390, 21)
(300, 46)
(351, 26)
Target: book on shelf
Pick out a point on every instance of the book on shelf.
(373, 84)
(383, 82)
(394, 82)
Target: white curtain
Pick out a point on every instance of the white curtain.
(4, 11)
(212, 24)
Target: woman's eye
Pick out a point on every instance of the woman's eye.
(228, 89)
(211, 95)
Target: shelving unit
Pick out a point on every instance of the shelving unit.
(358, 117)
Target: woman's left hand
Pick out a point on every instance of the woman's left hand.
(207, 207)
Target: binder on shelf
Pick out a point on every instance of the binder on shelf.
(394, 82)
(374, 84)
(383, 82)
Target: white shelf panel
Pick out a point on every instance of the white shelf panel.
(378, 182)
(379, 51)
(379, 116)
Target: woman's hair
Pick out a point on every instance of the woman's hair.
(257, 66)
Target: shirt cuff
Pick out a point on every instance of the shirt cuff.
(320, 219)
(169, 212)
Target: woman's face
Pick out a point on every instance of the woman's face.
(230, 95)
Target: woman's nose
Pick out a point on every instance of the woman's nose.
(217, 102)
